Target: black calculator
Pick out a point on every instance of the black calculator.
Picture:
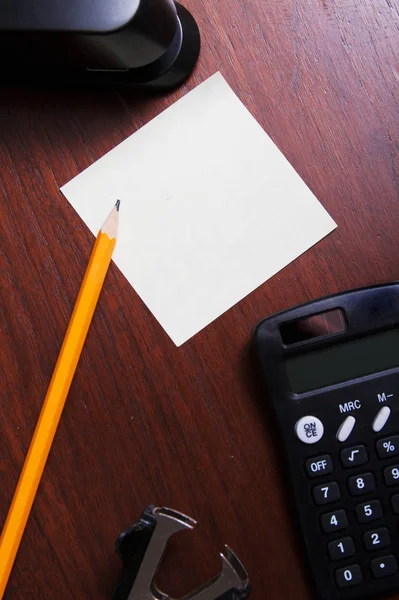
(331, 369)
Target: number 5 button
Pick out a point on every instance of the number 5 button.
(369, 511)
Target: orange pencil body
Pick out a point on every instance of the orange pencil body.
(56, 396)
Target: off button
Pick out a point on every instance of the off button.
(320, 465)
(309, 429)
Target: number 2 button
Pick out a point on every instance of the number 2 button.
(326, 493)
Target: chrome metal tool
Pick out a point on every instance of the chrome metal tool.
(142, 547)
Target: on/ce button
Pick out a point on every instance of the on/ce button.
(309, 429)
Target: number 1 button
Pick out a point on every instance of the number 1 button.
(326, 493)
(341, 548)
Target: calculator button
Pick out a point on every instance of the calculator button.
(334, 521)
(309, 429)
(369, 511)
(381, 418)
(348, 576)
(353, 457)
(361, 484)
(376, 539)
(388, 446)
(395, 503)
(384, 566)
(391, 475)
(341, 548)
(346, 428)
(321, 465)
(326, 493)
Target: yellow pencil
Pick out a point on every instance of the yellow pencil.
(56, 396)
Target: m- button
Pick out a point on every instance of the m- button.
(320, 465)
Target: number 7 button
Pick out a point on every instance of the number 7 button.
(326, 493)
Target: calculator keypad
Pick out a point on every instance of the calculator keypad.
(361, 484)
(352, 546)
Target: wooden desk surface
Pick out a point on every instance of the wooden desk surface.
(184, 427)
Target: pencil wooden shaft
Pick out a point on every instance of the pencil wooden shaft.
(53, 405)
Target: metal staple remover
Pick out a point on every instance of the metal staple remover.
(141, 549)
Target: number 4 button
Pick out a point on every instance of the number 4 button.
(334, 521)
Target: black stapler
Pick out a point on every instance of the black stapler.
(138, 43)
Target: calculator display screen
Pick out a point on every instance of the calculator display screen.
(343, 361)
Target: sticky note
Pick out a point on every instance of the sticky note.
(210, 208)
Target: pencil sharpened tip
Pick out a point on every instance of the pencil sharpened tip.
(117, 205)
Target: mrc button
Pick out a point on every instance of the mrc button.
(320, 465)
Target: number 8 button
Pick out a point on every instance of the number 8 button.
(362, 484)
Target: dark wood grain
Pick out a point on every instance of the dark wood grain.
(184, 427)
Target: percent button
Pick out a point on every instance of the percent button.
(388, 446)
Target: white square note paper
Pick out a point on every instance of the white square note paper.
(210, 208)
